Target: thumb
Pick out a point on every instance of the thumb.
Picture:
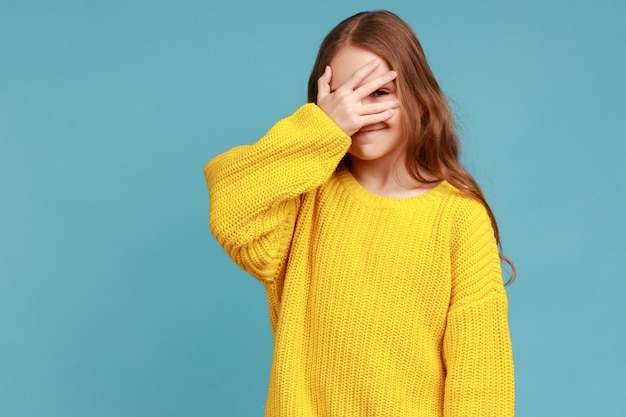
(323, 83)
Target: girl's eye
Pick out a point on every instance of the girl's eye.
(380, 93)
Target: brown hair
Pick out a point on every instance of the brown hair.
(432, 144)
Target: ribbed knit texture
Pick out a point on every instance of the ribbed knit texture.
(379, 306)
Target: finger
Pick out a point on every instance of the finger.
(372, 119)
(374, 108)
(327, 75)
(323, 82)
(360, 74)
(373, 85)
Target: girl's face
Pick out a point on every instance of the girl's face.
(381, 142)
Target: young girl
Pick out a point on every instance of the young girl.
(377, 250)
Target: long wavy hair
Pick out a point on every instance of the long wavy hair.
(432, 144)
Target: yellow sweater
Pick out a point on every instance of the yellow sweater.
(379, 306)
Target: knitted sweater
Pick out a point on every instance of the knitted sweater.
(379, 306)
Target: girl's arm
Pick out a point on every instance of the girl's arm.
(254, 190)
(477, 346)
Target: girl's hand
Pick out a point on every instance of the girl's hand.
(344, 105)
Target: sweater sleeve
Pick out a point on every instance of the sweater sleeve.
(477, 347)
(254, 191)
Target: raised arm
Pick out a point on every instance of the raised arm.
(254, 190)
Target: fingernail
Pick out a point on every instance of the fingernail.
(395, 103)
(376, 61)
(392, 75)
(389, 113)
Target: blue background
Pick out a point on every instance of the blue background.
(116, 301)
